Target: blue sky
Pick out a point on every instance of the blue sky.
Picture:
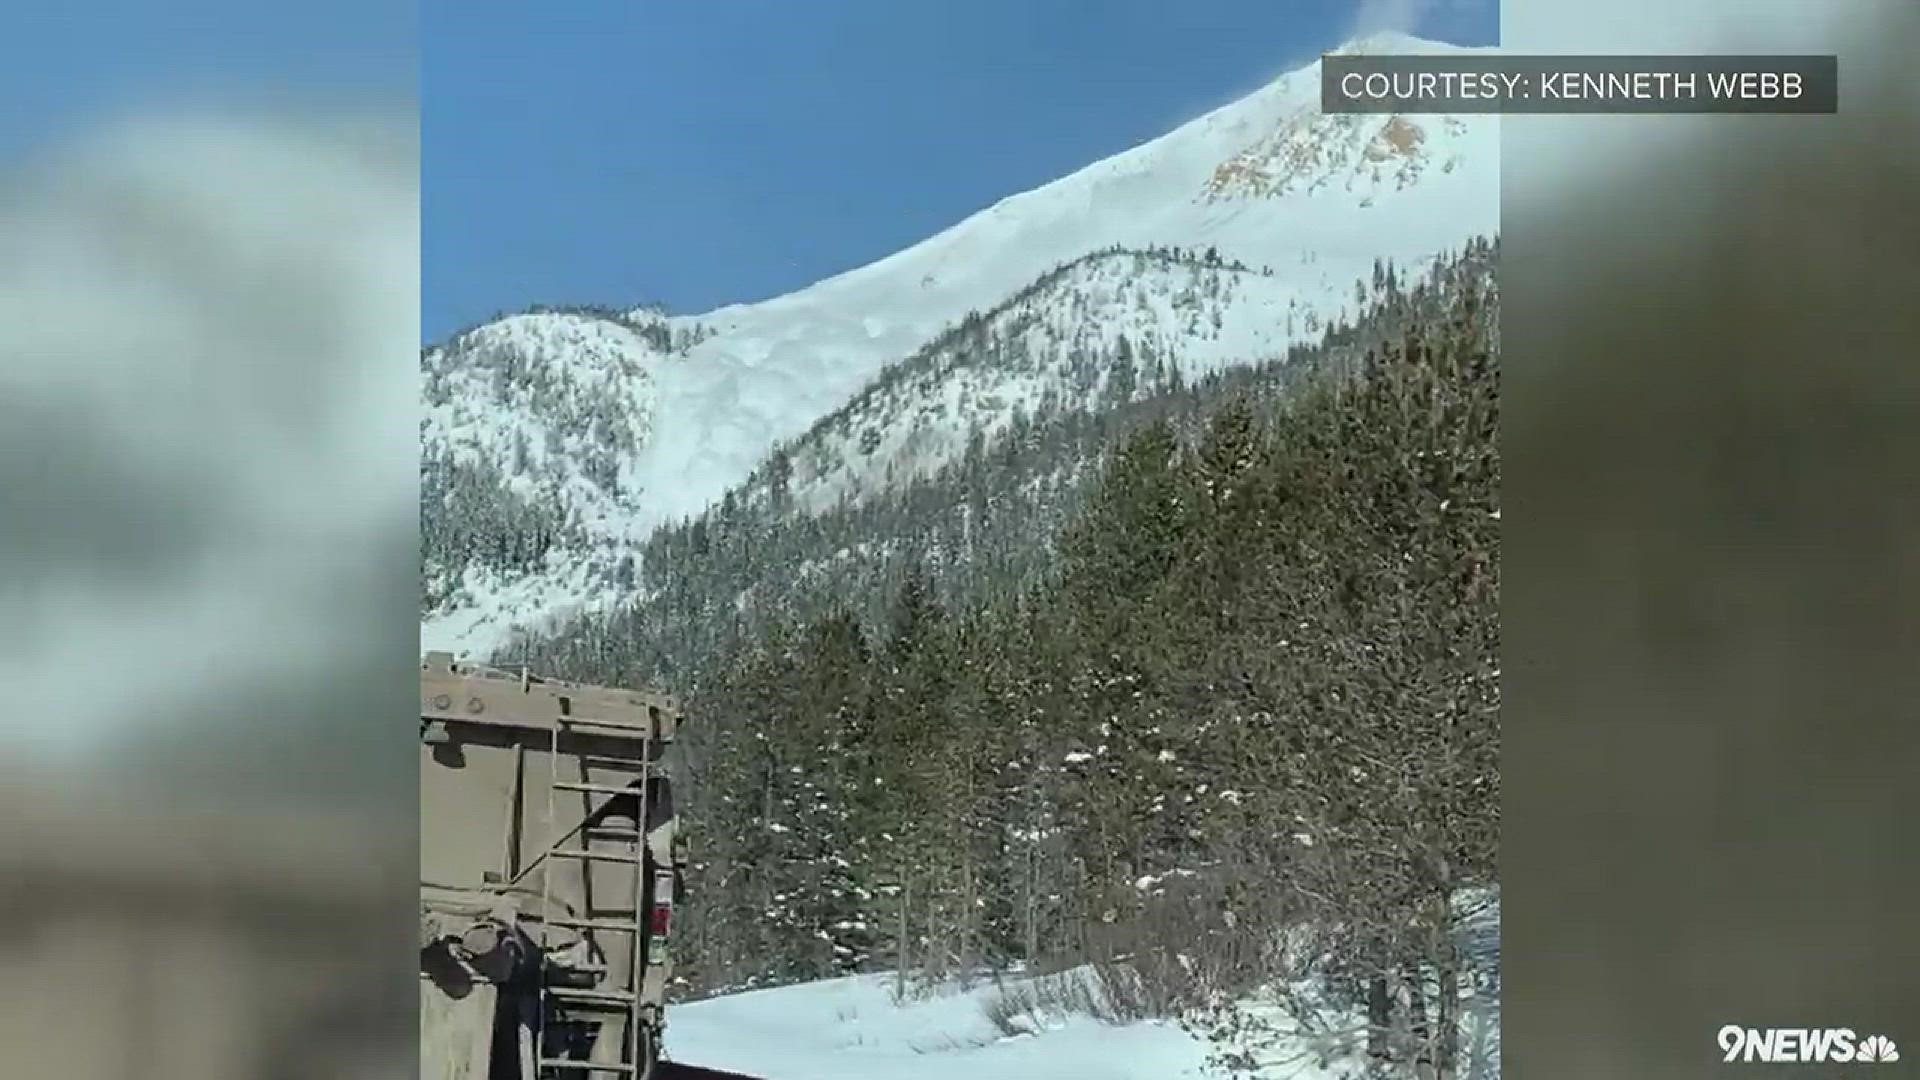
(700, 152)
(67, 63)
(695, 152)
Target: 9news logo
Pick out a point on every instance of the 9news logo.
(1819, 1046)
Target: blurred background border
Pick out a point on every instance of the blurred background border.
(209, 278)
(1712, 596)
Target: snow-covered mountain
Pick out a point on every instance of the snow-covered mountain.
(1218, 243)
(565, 402)
(1082, 336)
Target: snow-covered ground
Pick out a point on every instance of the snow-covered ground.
(850, 1029)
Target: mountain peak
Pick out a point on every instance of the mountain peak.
(1389, 43)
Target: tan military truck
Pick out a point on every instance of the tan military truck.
(550, 867)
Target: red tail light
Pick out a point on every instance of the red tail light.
(660, 919)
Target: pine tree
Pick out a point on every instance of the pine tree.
(779, 479)
(1122, 377)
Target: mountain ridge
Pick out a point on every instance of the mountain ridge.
(1314, 207)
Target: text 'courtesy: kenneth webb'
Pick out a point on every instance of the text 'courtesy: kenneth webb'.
(1579, 84)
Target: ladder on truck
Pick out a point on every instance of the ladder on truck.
(624, 929)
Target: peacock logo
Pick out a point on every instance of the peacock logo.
(1877, 1049)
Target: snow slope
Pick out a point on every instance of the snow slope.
(1306, 202)
(1047, 349)
(1359, 187)
(849, 1029)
